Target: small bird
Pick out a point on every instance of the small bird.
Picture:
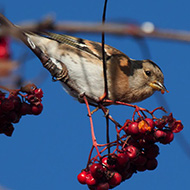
(79, 64)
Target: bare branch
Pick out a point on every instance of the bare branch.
(125, 29)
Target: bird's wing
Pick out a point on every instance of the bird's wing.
(91, 47)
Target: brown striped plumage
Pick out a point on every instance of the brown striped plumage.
(81, 63)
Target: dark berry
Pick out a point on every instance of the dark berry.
(115, 180)
(122, 159)
(96, 170)
(152, 151)
(169, 137)
(151, 164)
(7, 105)
(25, 109)
(102, 186)
(36, 110)
(140, 160)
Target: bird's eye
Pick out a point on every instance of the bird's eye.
(148, 73)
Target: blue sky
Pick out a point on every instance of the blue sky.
(48, 151)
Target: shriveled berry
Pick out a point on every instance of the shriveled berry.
(38, 93)
(115, 180)
(144, 126)
(160, 123)
(176, 126)
(29, 88)
(82, 177)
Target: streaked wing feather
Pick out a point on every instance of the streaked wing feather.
(77, 43)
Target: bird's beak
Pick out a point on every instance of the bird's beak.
(158, 86)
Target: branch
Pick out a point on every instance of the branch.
(147, 29)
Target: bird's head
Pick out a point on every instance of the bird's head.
(146, 78)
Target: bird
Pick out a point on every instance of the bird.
(78, 64)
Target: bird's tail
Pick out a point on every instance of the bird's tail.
(10, 29)
(27, 38)
(15, 31)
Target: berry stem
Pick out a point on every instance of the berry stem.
(94, 142)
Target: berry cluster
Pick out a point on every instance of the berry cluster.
(135, 151)
(26, 100)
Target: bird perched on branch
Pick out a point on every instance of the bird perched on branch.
(78, 64)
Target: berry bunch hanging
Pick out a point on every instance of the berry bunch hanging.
(26, 100)
(134, 150)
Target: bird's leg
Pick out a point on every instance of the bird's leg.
(94, 142)
(103, 97)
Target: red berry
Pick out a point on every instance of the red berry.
(150, 123)
(152, 151)
(115, 180)
(133, 128)
(169, 137)
(82, 177)
(131, 151)
(102, 186)
(36, 110)
(151, 164)
(96, 170)
(90, 180)
(159, 134)
(105, 163)
(122, 159)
